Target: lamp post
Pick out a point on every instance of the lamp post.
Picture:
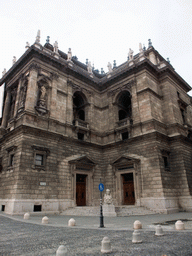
(101, 188)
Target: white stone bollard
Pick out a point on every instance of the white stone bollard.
(179, 225)
(106, 245)
(136, 237)
(137, 225)
(71, 222)
(45, 220)
(26, 216)
(159, 231)
(61, 251)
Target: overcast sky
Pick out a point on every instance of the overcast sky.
(100, 30)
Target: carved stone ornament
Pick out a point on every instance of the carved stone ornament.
(54, 76)
(22, 97)
(41, 106)
(35, 67)
(13, 98)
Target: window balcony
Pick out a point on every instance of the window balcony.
(81, 123)
(124, 122)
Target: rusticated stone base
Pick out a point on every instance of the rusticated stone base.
(14, 206)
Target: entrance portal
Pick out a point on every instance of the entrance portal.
(128, 189)
(81, 189)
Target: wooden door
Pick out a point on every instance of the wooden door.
(128, 189)
(80, 190)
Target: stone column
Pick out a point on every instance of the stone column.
(53, 104)
(31, 97)
(6, 109)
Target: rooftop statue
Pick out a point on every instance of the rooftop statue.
(27, 46)
(130, 54)
(109, 67)
(14, 60)
(69, 55)
(89, 67)
(56, 47)
(4, 72)
(38, 37)
(140, 48)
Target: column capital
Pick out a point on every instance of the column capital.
(54, 76)
(34, 67)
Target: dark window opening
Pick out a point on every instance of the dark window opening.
(3, 208)
(78, 106)
(38, 159)
(80, 136)
(124, 104)
(183, 115)
(122, 114)
(128, 177)
(11, 160)
(37, 208)
(81, 178)
(81, 115)
(166, 163)
(125, 135)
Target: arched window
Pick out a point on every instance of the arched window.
(124, 105)
(79, 106)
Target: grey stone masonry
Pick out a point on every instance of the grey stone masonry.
(64, 130)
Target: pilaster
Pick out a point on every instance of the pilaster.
(6, 109)
(53, 105)
(32, 89)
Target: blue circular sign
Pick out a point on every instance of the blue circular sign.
(101, 187)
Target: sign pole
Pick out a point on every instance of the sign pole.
(101, 208)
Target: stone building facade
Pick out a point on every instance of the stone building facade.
(65, 126)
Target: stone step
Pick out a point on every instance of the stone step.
(132, 210)
(82, 211)
(95, 211)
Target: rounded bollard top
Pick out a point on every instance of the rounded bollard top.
(61, 251)
(26, 216)
(106, 239)
(71, 222)
(137, 225)
(106, 245)
(179, 225)
(137, 222)
(45, 218)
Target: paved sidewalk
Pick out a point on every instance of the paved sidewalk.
(31, 238)
(114, 223)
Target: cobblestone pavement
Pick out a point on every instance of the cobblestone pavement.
(18, 237)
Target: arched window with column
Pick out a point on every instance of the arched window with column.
(80, 109)
(79, 102)
(124, 105)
